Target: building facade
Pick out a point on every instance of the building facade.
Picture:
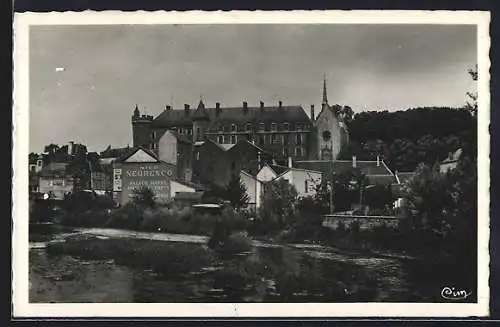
(281, 130)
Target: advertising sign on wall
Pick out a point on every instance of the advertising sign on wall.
(117, 179)
(155, 176)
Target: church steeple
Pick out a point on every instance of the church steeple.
(325, 98)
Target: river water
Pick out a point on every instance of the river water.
(330, 276)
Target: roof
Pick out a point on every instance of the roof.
(404, 176)
(386, 179)
(54, 169)
(278, 169)
(180, 137)
(180, 117)
(114, 153)
(189, 184)
(454, 156)
(225, 147)
(339, 166)
(133, 150)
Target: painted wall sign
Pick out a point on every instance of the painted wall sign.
(155, 176)
(117, 180)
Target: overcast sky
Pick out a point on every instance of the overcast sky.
(86, 80)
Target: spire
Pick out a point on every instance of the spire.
(136, 111)
(325, 98)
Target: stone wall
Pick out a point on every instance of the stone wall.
(365, 222)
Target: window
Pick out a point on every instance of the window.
(262, 140)
(220, 139)
(298, 152)
(221, 127)
(299, 126)
(190, 131)
(180, 130)
(262, 127)
(275, 139)
(305, 187)
(286, 139)
(234, 128)
(197, 155)
(153, 135)
(298, 139)
(274, 127)
(233, 139)
(249, 127)
(286, 126)
(226, 139)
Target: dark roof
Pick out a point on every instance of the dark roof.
(339, 166)
(114, 153)
(180, 117)
(200, 112)
(386, 179)
(278, 169)
(180, 137)
(54, 170)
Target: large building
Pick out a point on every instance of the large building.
(281, 130)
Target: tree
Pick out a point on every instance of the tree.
(472, 103)
(279, 202)
(429, 197)
(32, 158)
(144, 197)
(51, 148)
(236, 193)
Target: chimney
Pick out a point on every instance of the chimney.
(353, 161)
(168, 107)
(280, 104)
(186, 109)
(217, 108)
(245, 106)
(262, 105)
(378, 160)
(289, 162)
(312, 112)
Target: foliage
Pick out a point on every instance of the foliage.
(279, 201)
(144, 197)
(236, 193)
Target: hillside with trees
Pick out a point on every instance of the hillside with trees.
(409, 137)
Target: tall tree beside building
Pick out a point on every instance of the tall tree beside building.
(236, 193)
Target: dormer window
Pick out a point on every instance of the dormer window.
(274, 127)
(286, 126)
(262, 127)
(234, 128)
(233, 139)
(220, 139)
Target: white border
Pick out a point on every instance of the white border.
(22, 308)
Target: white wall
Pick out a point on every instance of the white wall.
(266, 174)
(167, 148)
(178, 187)
(298, 179)
(251, 187)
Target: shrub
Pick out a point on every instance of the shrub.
(129, 216)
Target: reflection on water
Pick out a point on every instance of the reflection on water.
(274, 274)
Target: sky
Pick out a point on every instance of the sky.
(86, 80)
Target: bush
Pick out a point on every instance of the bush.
(128, 216)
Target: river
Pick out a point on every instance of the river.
(331, 276)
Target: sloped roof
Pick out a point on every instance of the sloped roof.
(386, 179)
(54, 169)
(339, 166)
(278, 169)
(133, 150)
(114, 152)
(180, 137)
(171, 117)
